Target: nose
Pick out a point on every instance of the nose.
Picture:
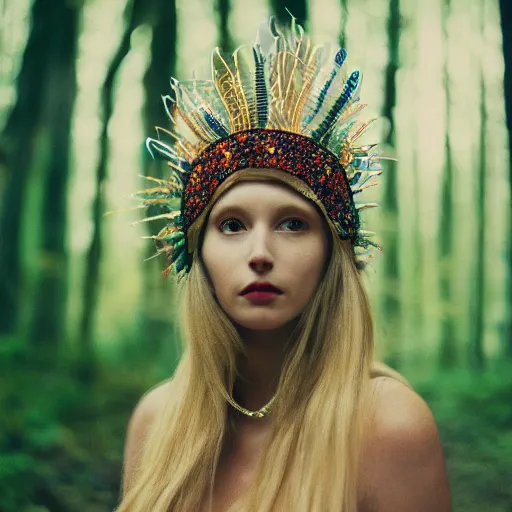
(260, 255)
(261, 264)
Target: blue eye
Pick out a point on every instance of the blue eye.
(231, 224)
(301, 226)
(228, 222)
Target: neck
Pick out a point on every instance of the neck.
(260, 367)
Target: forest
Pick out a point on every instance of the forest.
(88, 323)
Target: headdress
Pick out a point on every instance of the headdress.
(291, 106)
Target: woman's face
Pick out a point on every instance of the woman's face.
(265, 232)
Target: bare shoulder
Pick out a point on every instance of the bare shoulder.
(403, 466)
(140, 421)
(150, 403)
(398, 409)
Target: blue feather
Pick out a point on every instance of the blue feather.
(337, 108)
(180, 262)
(177, 221)
(339, 59)
(214, 123)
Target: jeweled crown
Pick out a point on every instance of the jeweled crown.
(292, 107)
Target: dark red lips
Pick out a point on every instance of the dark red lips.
(260, 286)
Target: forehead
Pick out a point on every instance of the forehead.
(253, 193)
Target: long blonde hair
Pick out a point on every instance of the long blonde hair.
(311, 460)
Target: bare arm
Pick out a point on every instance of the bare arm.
(405, 469)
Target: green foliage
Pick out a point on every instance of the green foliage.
(61, 439)
(474, 415)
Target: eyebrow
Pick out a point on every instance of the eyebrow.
(280, 209)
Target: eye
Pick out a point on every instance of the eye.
(230, 223)
(298, 224)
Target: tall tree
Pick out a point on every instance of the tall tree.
(46, 59)
(135, 13)
(281, 9)
(161, 16)
(155, 319)
(477, 304)
(160, 69)
(17, 144)
(448, 344)
(59, 89)
(506, 28)
(223, 11)
(343, 29)
(391, 299)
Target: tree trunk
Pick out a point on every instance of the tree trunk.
(448, 343)
(391, 299)
(161, 68)
(155, 318)
(476, 350)
(136, 14)
(223, 10)
(59, 89)
(344, 19)
(298, 9)
(17, 146)
(506, 27)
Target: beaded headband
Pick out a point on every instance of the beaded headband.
(290, 107)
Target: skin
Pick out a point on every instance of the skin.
(276, 236)
(402, 467)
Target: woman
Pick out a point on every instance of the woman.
(276, 403)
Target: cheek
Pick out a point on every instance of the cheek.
(307, 266)
(218, 263)
(308, 256)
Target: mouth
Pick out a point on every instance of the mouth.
(261, 288)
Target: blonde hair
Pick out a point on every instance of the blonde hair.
(321, 402)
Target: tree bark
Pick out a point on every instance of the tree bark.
(155, 317)
(161, 67)
(344, 18)
(448, 343)
(391, 300)
(223, 11)
(506, 28)
(17, 147)
(161, 16)
(136, 14)
(298, 9)
(59, 90)
(476, 349)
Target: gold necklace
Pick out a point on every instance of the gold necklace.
(260, 413)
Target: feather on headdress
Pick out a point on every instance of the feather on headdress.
(289, 107)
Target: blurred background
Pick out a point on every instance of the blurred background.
(86, 327)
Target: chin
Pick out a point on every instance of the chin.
(261, 320)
